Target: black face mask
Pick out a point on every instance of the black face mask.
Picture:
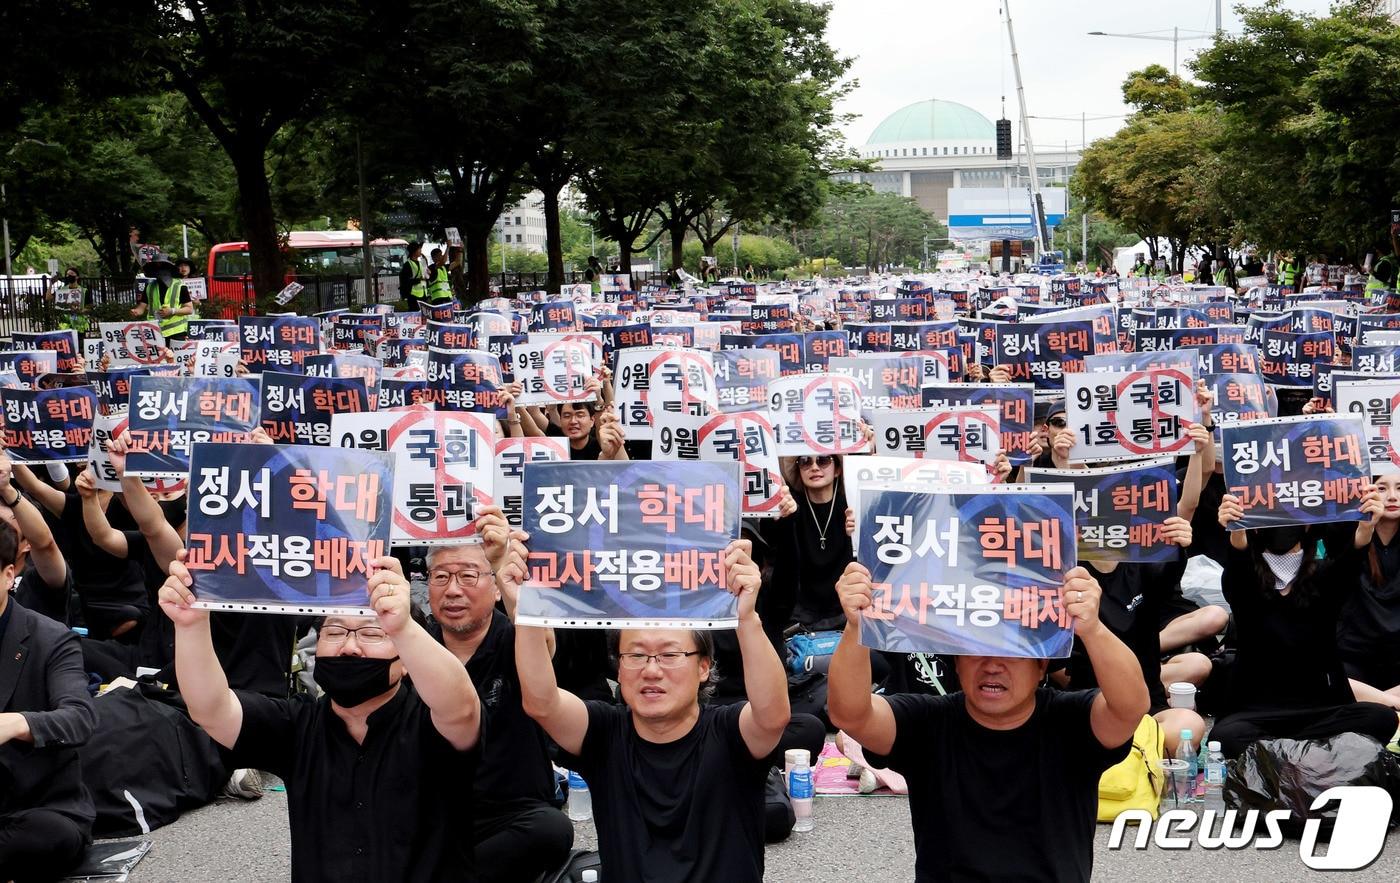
(351, 680)
(1278, 540)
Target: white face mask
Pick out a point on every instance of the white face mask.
(1284, 567)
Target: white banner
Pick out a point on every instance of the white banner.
(746, 437)
(1374, 401)
(512, 455)
(552, 373)
(816, 414)
(1123, 415)
(967, 434)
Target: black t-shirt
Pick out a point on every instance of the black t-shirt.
(1207, 536)
(514, 765)
(1370, 619)
(398, 807)
(1286, 653)
(1003, 805)
(798, 550)
(100, 578)
(34, 594)
(691, 809)
(590, 451)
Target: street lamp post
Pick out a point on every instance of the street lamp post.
(1174, 39)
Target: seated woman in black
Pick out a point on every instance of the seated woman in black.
(1368, 633)
(1287, 681)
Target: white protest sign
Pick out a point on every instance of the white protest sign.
(1122, 415)
(512, 455)
(863, 471)
(197, 287)
(215, 358)
(745, 436)
(649, 380)
(1374, 401)
(92, 353)
(444, 469)
(816, 414)
(131, 343)
(550, 373)
(967, 434)
(454, 236)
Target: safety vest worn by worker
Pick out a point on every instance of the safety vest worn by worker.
(418, 289)
(1288, 273)
(174, 323)
(1374, 282)
(440, 288)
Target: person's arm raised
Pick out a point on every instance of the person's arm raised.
(1190, 497)
(852, 707)
(100, 530)
(1123, 698)
(203, 685)
(43, 551)
(560, 713)
(440, 679)
(163, 539)
(51, 498)
(762, 720)
(1231, 511)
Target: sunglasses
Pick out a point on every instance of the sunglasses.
(822, 461)
(1057, 422)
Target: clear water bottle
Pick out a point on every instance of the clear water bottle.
(1215, 779)
(579, 806)
(800, 790)
(590, 876)
(1186, 752)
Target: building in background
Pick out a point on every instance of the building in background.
(937, 152)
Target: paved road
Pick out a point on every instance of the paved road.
(238, 841)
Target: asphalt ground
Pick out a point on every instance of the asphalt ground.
(856, 838)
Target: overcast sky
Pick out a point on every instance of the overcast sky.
(908, 50)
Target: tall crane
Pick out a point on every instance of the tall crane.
(1042, 232)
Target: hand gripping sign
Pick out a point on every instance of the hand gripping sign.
(1120, 510)
(444, 469)
(965, 433)
(745, 436)
(968, 571)
(635, 544)
(1374, 401)
(287, 528)
(816, 414)
(1119, 415)
(1296, 470)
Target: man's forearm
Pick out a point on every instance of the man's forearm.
(539, 691)
(764, 678)
(203, 685)
(848, 690)
(1117, 671)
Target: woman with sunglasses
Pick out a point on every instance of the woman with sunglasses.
(810, 546)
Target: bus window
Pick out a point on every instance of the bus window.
(388, 258)
(232, 263)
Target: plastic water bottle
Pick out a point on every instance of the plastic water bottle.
(1215, 778)
(590, 876)
(579, 806)
(800, 790)
(1187, 753)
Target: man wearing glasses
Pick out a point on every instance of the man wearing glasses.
(519, 834)
(677, 786)
(374, 769)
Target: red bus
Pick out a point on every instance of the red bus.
(336, 255)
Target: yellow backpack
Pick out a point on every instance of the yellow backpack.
(1135, 782)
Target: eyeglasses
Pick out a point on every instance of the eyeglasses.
(367, 634)
(669, 659)
(440, 579)
(1057, 422)
(822, 462)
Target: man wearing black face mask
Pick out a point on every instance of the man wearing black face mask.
(374, 769)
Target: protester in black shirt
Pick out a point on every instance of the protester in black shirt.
(677, 786)
(44, 584)
(1287, 681)
(1368, 632)
(810, 547)
(1003, 777)
(375, 768)
(46, 814)
(592, 435)
(519, 834)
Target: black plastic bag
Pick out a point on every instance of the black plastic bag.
(1289, 774)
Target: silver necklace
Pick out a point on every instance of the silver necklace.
(822, 527)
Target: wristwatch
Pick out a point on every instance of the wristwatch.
(12, 503)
